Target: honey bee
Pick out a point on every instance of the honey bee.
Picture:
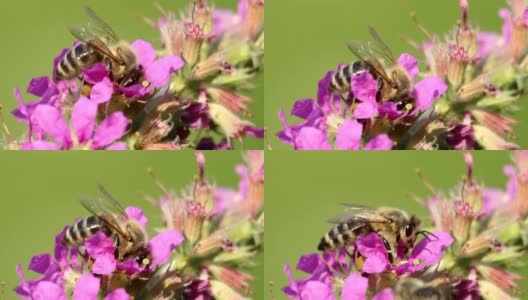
(393, 225)
(100, 44)
(409, 288)
(393, 83)
(109, 217)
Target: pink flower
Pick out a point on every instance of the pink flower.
(427, 90)
(410, 64)
(355, 288)
(349, 138)
(81, 134)
(162, 245)
(87, 288)
(426, 253)
(101, 248)
(157, 72)
(371, 247)
(46, 290)
(136, 213)
(117, 294)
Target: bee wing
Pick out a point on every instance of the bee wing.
(84, 34)
(366, 54)
(357, 213)
(110, 202)
(359, 219)
(384, 50)
(100, 26)
(96, 207)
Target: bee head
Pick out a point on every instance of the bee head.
(409, 231)
(402, 82)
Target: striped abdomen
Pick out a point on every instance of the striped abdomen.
(342, 235)
(341, 79)
(83, 229)
(82, 56)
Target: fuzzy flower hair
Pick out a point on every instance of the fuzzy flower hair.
(462, 99)
(472, 252)
(188, 94)
(208, 241)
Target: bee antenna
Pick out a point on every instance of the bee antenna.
(426, 234)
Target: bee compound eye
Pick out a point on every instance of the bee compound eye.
(408, 230)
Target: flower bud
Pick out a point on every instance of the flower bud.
(195, 216)
(233, 278)
(192, 45)
(254, 18)
(229, 99)
(462, 222)
(458, 60)
(490, 140)
(499, 124)
(482, 243)
(477, 87)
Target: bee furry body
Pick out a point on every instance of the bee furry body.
(129, 237)
(394, 226)
(100, 45)
(393, 83)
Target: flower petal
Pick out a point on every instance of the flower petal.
(50, 120)
(83, 119)
(349, 135)
(158, 73)
(104, 264)
(427, 90)
(309, 262)
(117, 146)
(111, 129)
(364, 87)
(316, 290)
(385, 294)
(118, 294)
(390, 110)
(162, 245)
(380, 142)
(38, 86)
(145, 52)
(285, 135)
(366, 110)
(40, 263)
(41, 145)
(99, 245)
(303, 108)
(371, 247)
(136, 213)
(87, 288)
(429, 252)
(47, 290)
(95, 74)
(130, 267)
(102, 91)
(355, 287)
(410, 64)
(311, 138)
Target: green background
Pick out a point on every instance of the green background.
(34, 32)
(305, 187)
(307, 38)
(41, 191)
